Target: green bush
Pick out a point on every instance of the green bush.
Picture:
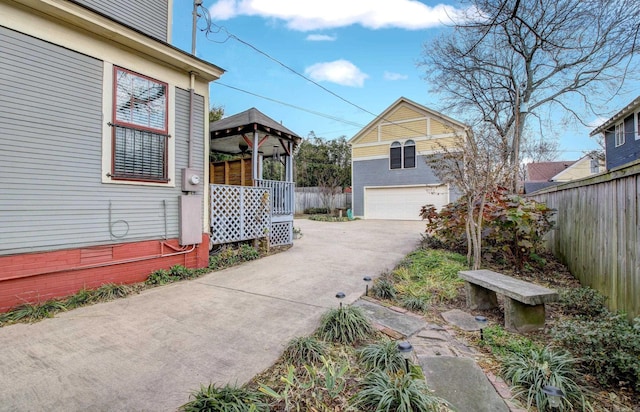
(160, 277)
(400, 393)
(35, 312)
(325, 218)
(583, 302)
(111, 291)
(608, 348)
(231, 256)
(514, 227)
(80, 298)
(306, 349)
(346, 325)
(530, 372)
(415, 304)
(222, 399)
(181, 272)
(383, 356)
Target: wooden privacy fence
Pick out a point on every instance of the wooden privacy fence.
(597, 233)
(308, 197)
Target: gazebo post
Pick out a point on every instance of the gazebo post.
(255, 157)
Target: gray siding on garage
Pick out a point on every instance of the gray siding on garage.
(147, 16)
(376, 172)
(51, 194)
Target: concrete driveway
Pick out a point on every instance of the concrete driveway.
(149, 351)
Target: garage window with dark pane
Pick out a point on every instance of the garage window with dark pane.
(402, 156)
(140, 130)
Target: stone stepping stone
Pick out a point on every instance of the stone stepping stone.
(403, 323)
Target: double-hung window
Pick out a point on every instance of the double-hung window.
(140, 130)
(619, 134)
(402, 156)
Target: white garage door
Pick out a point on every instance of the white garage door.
(402, 203)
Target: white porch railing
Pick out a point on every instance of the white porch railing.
(282, 202)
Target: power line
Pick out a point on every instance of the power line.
(218, 29)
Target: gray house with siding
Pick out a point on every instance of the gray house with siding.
(103, 146)
(622, 136)
(390, 177)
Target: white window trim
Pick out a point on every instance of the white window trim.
(107, 147)
(619, 131)
(637, 124)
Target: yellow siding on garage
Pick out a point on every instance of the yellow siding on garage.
(404, 130)
(381, 150)
(439, 128)
(404, 113)
(370, 137)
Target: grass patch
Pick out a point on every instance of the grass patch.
(503, 343)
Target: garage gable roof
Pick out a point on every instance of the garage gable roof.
(383, 117)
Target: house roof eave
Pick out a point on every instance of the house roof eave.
(616, 117)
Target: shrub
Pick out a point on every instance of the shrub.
(513, 227)
(35, 312)
(581, 301)
(304, 350)
(227, 398)
(80, 298)
(382, 356)
(345, 325)
(608, 348)
(532, 371)
(229, 256)
(160, 277)
(402, 393)
(247, 253)
(181, 272)
(383, 289)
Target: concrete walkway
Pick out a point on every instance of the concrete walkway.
(147, 352)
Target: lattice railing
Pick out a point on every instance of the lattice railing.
(239, 213)
(282, 200)
(281, 234)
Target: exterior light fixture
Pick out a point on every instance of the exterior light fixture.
(340, 296)
(481, 321)
(366, 290)
(405, 350)
(554, 396)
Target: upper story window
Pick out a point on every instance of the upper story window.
(402, 156)
(619, 134)
(637, 125)
(140, 131)
(395, 156)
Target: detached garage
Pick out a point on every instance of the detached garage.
(402, 202)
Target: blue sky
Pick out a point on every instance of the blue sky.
(364, 51)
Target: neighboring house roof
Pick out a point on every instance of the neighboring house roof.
(403, 100)
(545, 171)
(617, 117)
(530, 187)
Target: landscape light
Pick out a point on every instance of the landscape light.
(366, 290)
(482, 323)
(340, 295)
(554, 396)
(405, 350)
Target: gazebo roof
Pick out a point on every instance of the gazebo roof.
(249, 121)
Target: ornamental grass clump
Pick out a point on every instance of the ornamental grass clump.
(222, 399)
(383, 356)
(346, 325)
(305, 349)
(399, 392)
(530, 372)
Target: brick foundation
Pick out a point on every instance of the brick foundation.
(38, 277)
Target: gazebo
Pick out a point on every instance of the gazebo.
(245, 206)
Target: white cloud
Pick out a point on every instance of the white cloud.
(321, 37)
(341, 72)
(316, 15)
(395, 76)
(597, 122)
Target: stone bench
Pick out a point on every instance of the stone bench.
(523, 301)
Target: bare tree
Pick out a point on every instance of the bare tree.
(509, 58)
(475, 166)
(535, 151)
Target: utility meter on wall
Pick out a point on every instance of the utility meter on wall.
(190, 180)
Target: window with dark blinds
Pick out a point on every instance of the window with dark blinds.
(139, 127)
(409, 154)
(395, 156)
